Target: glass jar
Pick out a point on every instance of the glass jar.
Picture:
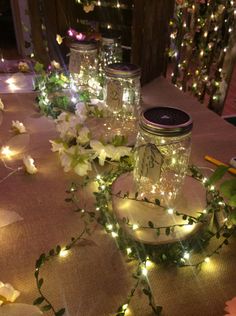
(110, 52)
(83, 63)
(162, 153)
(122, 90)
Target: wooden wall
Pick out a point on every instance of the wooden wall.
(151, 36)
(142, 24)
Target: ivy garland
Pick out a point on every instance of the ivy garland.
(58, 91)
(177, 253)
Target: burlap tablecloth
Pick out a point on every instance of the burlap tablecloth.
(94, 279)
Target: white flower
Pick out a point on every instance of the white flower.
(76, 158)
(8, 292)
(100, 151)
(82, 168)
(29, 165)
(57, 145)
(55, 64)
(108, 151)
(1, 105)
(19, 309)
(115, 153)
(81, 111)
(67, 125)
(84, 136)
(19, 127)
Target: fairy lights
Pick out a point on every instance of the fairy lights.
(128, 250)
(186, 255)
(170, 211)
(6, 152)
(135, 226)
(211, 26)
(64, 253)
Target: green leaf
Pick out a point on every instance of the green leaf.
(38, 300)
(167, 231)
(36, 273)
(218, 174)
(119, 140)
(46, 308)
(232, 200)
(228, 188)
(150, 224)
(40, 283)
(146, 292)
(60, 312)
(232, 218)
(58, 249)
(157, 202)
(52, 252)
(38, 67)
(158, 310)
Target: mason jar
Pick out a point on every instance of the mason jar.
(162, 153)
(122, 90)
(83, 63)
(110, 51)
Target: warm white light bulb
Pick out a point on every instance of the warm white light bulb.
(114, 234)
(6, 152)
(186, 255)
(135, 226)
(64, 253)
(144, 271)
(124, 307)
(207, 259)
(128, 250)
(170, 211)
(109, 226)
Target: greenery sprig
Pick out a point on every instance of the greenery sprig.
(177, 253)
(42, 301)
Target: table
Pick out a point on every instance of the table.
(94, 279)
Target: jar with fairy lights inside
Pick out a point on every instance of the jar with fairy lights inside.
(110, 51)
(162, 153)
(122, 91)
(83, 63)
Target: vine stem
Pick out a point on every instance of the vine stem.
(209, 255)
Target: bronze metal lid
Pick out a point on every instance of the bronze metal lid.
(84, 45)
(123, 70)
(166, 121)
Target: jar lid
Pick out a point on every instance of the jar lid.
(107, 40)
(123, 70)
(84, 45)
(166, 121)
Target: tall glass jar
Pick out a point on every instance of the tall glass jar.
(122, 90)
(162, 153)
(83, 63)
(110, 51)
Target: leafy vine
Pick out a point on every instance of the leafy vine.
(177, 253)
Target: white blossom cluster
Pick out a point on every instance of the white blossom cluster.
(77, 150)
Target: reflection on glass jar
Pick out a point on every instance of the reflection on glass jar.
(122, 90)
(83, 64)
(162, 153)
(110, 52)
